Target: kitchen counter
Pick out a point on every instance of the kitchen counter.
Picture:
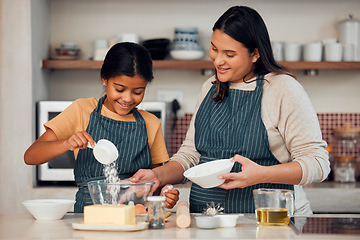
(24, 226)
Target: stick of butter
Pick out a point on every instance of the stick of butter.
(109, 214)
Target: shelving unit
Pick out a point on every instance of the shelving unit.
(198, 64)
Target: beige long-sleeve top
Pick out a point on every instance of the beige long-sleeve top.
(292, 126)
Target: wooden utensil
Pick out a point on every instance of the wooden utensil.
(183, 219)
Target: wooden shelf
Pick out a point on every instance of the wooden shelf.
(199, 64)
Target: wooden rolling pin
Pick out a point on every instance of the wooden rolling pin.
(183, 218)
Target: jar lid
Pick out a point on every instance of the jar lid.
(349, 158)
(156, 198)
(347, 131)
(351, 19)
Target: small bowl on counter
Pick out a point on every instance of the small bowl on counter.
(207, 222)
(48, 209)
(227, 220)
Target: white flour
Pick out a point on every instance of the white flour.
(111, 176)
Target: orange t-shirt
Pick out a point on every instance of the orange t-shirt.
(76, 118)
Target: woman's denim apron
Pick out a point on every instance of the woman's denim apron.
(233, 126)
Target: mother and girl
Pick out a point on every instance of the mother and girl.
(253, 110)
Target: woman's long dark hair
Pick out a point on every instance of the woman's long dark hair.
(246, 26)
(127, 59)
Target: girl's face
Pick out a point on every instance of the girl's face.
(231, 59)
(124, 93)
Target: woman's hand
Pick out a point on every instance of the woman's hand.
(251, 174)
(79, 140)
(171, 194)
(146, 174)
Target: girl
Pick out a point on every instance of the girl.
(137, 134)
(252, 109)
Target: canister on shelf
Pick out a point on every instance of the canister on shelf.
(346, 150)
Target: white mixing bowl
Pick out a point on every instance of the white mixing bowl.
(206, 174)
(48, 209)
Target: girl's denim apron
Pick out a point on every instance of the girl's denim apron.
(131, 140)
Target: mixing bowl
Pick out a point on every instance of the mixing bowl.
(206, 174)
(48, 209)
(122, 192)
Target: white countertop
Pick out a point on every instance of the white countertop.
(24, 226)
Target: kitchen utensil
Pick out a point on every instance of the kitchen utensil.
(48, 209)
(349, 32)
(207, 222)
(122, 192)
(227, 220)
(348, 52)
(206, 174)
(158, 47)
(185, 38)
(273, 206)
(105, 151)
(183, 219)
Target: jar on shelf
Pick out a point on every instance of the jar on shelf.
(344, 169)
(345, 153)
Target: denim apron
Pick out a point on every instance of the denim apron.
(233, 126)
(130, 138)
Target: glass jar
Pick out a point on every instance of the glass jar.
(344, 170)
(156, 212)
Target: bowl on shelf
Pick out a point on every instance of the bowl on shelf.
(206, 174)
(158, 47)
(48, 209)
(186, 54)
(122, 192)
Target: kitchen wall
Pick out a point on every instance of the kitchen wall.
(302, 21)
(30, 29)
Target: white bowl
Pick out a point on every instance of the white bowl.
(207, 222)
(48, 209)
(206, 174)
(186, 54)
(227, 220)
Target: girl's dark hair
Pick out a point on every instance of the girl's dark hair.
(127, 59)
(246, 26)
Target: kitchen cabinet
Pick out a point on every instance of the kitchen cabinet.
(199, 64)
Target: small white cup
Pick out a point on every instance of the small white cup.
(127, 37)
(348, 52)
(313, 52)
(333, 52)
(292, 52)
(278, 50)
(105, 151)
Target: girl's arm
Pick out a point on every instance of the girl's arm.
(47, 146)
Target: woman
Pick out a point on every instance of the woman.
(254, 109)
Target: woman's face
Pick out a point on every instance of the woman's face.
(231, 59)
(124, 93)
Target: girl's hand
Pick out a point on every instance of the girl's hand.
(171, 194)
(79, 140)
(251, 174)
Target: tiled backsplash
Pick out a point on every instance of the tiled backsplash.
(328, 121)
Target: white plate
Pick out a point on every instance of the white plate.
(108, 227)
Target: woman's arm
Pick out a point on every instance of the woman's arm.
(253, 173)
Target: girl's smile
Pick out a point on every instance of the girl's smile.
(124, 93)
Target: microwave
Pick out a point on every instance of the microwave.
(59, 170)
